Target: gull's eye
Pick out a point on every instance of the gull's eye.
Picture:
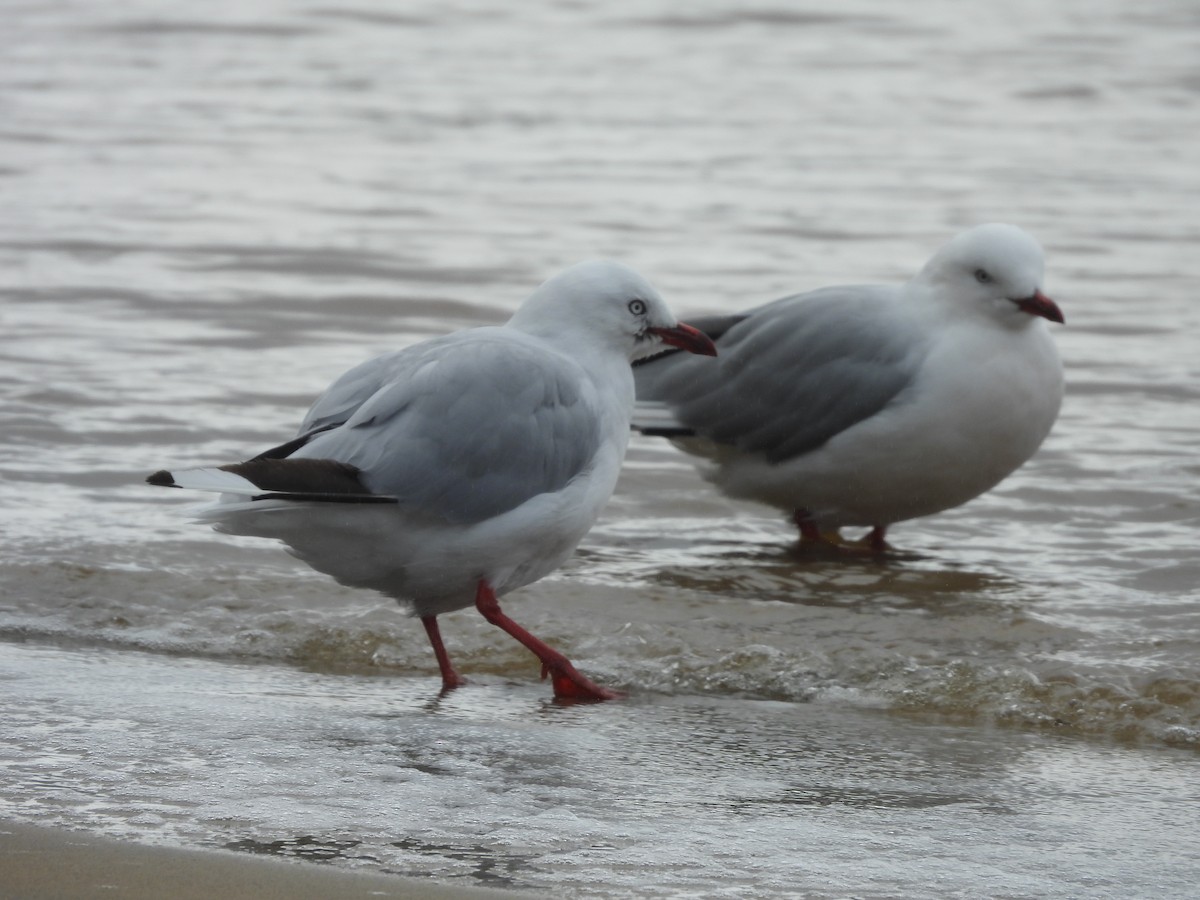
(637, 307)
(982, 276)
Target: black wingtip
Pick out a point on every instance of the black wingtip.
(326, 497)
(665, 431)
(162, 478)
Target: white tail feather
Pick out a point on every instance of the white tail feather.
(653, 415)
(215, 480)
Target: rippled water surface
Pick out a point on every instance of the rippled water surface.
(210, 212)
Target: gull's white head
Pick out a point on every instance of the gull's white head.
(994, 267)
(605, 302)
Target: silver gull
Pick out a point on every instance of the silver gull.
(454, 471)
(865, 405)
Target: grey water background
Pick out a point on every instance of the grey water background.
(208, 212)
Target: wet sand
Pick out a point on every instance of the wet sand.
(57, 864)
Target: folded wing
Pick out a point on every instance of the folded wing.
(467, 427)
(790, 375)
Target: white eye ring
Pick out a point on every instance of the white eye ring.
(982, 276)
(637, 307)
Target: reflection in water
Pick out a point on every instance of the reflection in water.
(489, 865)
(304, 847)
(824, 579)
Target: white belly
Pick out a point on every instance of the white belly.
(433, 566)
(976, 412)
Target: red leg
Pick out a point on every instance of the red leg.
(877, 539)
(450, 678)
(568, 683)
(811, 535)
(810, 532)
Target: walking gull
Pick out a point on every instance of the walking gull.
(865, 405)
(461, 468)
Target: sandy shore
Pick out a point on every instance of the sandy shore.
(54, 864)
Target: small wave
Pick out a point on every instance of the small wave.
(951, 659)
(1154, 710)
(1162, 708)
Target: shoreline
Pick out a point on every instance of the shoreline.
(48, 863)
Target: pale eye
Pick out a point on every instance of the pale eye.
(637, 307)
(982, 276)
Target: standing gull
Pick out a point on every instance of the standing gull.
(865, 405)
(464, 467)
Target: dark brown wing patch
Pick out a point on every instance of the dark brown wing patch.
(300, 476)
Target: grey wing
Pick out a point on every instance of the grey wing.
(340, 400)
(473, 425)
(351, 391)
(792, 374)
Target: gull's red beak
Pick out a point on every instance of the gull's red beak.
(685, 337)
(1041, 305)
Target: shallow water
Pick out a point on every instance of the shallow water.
(209, 215)
(497, 785)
